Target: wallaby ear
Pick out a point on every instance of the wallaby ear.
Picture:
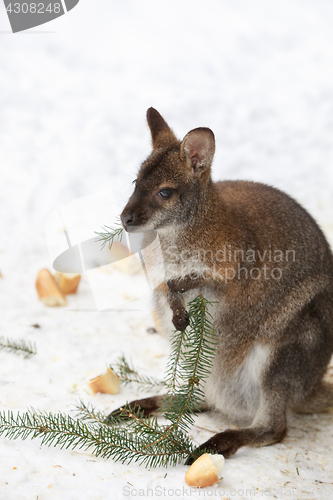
(198, 148)
(161, 133)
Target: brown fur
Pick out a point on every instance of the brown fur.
(276, 334)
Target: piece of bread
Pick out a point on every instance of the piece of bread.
(104, 380)
(205, 471)
(68, 282)
(119, 251)
(124, 260)
(48, 291)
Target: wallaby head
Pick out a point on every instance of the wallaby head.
(172, 180)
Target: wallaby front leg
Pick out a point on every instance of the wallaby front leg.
(175, 288)
(180, 315)
(188, 282)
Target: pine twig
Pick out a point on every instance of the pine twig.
(129, 375)
(19, 346)
(174, 361)
(109, 234)
(104, 441)
(129, 436)
(193, 352)
(89, 413)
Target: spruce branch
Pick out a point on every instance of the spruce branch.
(87, 412)
(192, 354)
(157, 437)
(128, 436)
(20, 346)
(109, 234)
(104, 441)
(129, 375)
(177, 345)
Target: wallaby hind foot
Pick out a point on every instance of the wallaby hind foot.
(144, 407)
(140, 407)
(229, 441)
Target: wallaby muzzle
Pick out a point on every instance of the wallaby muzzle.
(128, 220)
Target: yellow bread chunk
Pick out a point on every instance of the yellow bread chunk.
(119, 251)
(104, 380)
(48, 291)
(124, 260)
(205, 471)
(68, 282)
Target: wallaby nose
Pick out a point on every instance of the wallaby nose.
(127, 219)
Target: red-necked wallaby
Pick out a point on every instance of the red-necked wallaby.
(258, 254)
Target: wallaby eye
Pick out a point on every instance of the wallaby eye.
(165, 193)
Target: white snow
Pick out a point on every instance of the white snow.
(73, 97)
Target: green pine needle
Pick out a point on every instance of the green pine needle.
(19, 346)
(89, 413)
(109, 234)
(129, 375)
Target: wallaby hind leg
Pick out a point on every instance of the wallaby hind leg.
(319, 401)
(268, 427)
(141, 407)
(144, 407)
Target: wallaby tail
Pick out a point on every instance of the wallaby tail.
(320, 400)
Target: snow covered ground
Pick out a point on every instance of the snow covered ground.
(73, 97)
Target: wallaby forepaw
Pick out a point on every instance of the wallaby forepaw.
(180, 320)
(176, 286)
